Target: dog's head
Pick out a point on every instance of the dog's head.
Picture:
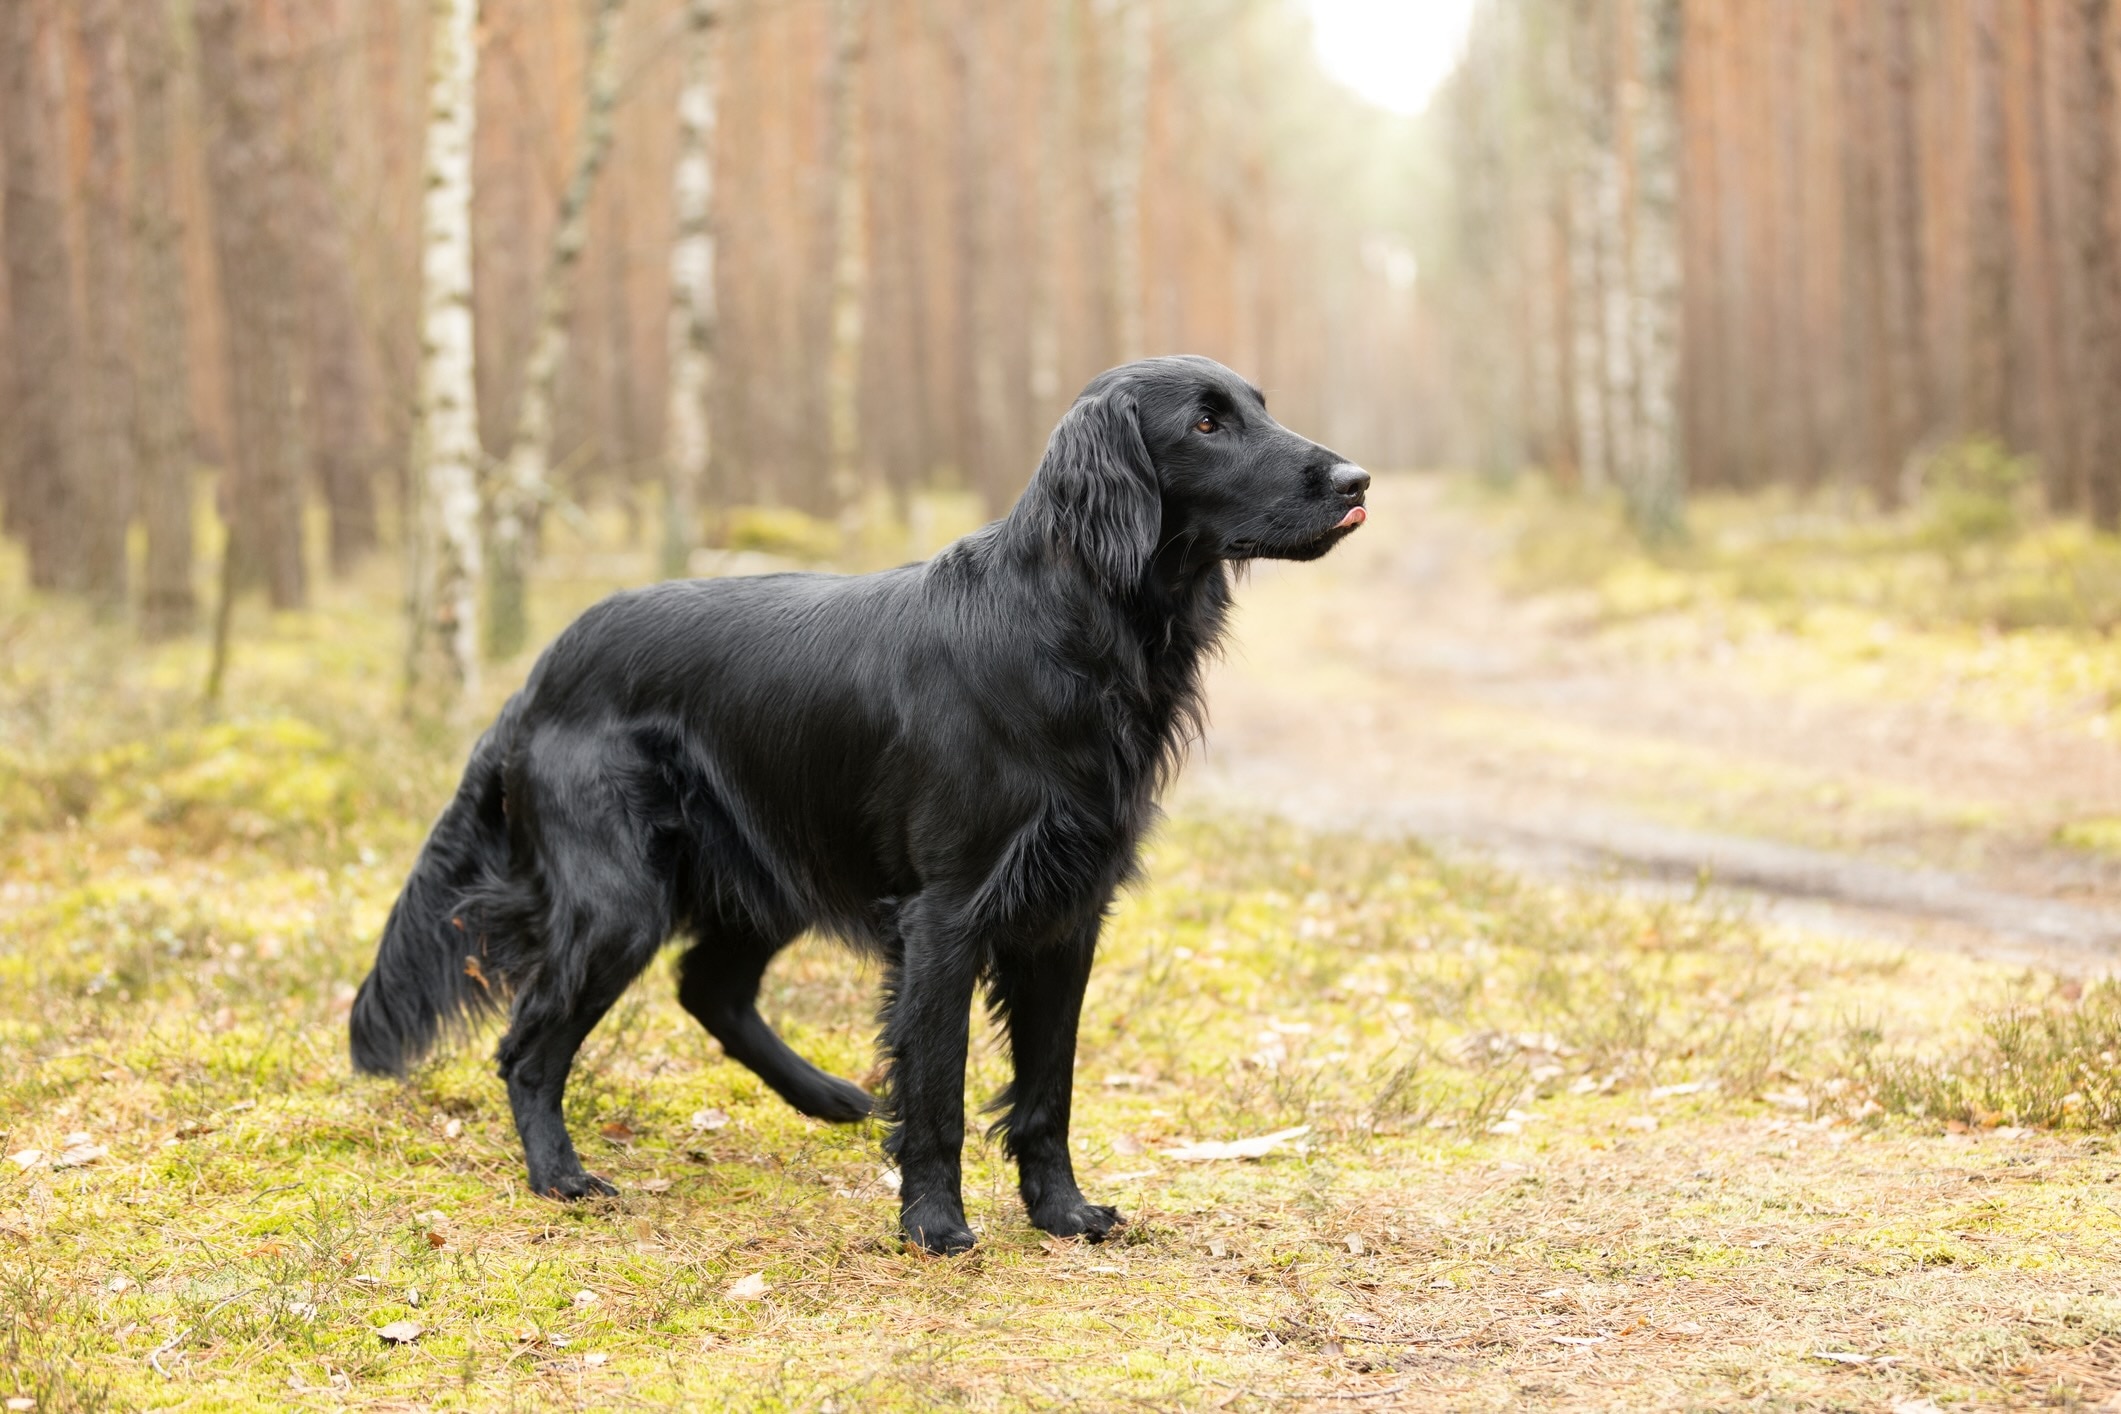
(1176, 459)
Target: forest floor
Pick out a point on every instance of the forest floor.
(1539, 1131)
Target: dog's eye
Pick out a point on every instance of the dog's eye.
(1207, 424)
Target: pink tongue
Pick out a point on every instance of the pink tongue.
(1354, 517)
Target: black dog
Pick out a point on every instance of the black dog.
(951, 764)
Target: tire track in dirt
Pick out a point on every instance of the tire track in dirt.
(1394, 686)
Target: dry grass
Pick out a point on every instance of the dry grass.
(1565, 1149)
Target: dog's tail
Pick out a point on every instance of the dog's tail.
(430, 969)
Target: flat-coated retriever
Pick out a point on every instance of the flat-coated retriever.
(950, 764)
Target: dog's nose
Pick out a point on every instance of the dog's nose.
(1350, 480)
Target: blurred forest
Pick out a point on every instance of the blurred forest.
(1804, 243)
(813, 255)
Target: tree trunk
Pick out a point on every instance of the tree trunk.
(1655, 484)
(976, 385)
(43, 502)
(1128, 37)
(1984, 402)
(1906, 352)
(1056, 128)
(339, 392)
(168, 603)
(524, 482)
(850, 257)
(243, 81)
(687, 429)
(444, 599)
(2098, 272)
(107, 467)
(1588, 233)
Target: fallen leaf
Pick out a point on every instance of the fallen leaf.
(585, 1298)
(1506, 1126)
(435, 1239)
(1691, 1087)
(1646, 1123)
(119, 1285)
(1924, 1405)
(1127, 1145)
(77, 1155)
(454, 1129)
(595, 1357)
(1577, 1339)
(27, 1158)
(653, 1185)
(749, 1288)
(1354, 1244)
(1255, 1148)
(1217, 1249)
(1332, 1350)
(21, 1402)
(401, 1332)
(1787, 1099)
(709, 1119)
(618, 1132)
(307, 1310)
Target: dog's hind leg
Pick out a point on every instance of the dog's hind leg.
(719, 984)
(1038, 993)
(605, 912)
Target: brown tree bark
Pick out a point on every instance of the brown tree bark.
(243, 81)
(2098, 365)
(106, 471)
(1984, 401)
(44, 504)
(168, 603)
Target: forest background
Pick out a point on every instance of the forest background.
(1637, 934)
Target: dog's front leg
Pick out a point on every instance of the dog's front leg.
(1040, 993)
(926, 1035)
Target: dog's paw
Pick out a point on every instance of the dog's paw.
(839, 1101)
(571, 1187)
(1094, 1221)
(939, 1232)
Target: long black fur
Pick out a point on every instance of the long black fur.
(950, 764)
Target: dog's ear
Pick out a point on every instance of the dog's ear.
(1102, 500)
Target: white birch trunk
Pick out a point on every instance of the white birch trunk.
(527, 466)
(1616, 358)
(687, 429)
(1588, 235)
(1130, 36)
(444, 606)
(1654, 487)
(850, 262)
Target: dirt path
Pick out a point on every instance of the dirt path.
(1395, 686)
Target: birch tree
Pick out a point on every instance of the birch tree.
(526, 467)
(1589, 232)
(850, 262)
(443, 604)
(688, 432)
(1654, 486)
